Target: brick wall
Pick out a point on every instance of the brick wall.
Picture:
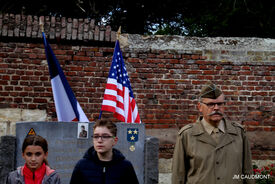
(166, 74)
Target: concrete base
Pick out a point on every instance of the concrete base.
(165, 178)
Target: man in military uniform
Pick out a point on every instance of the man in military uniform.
(212, 150)
(83, 133)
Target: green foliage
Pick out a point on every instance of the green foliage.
(242, 18)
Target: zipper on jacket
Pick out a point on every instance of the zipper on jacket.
(33, 177)
(104, 174)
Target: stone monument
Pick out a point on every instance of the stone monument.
(66, 147)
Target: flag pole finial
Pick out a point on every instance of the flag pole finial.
(118, 33)
(41, 24)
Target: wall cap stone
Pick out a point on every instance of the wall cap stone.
(55, 28)
(185, 43)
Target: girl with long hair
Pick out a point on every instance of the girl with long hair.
(36, 169)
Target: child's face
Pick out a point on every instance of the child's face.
(103, 140)
(34, 157)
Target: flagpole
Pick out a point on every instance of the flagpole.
(118, 33)
(41, 25)
(100, 114)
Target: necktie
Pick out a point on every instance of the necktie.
(216, 134)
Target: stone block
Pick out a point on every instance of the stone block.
(7, 156)
(151, 160)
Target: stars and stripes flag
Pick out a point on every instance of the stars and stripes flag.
(118, 97)
(66, 105)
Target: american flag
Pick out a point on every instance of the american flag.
(118, 97)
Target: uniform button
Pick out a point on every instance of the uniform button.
(217, 162)
(218, 178)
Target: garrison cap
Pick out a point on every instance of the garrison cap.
(210, 91)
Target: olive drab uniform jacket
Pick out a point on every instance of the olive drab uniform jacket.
(198, 159)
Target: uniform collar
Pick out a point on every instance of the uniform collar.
(201, 134)
(209, 128)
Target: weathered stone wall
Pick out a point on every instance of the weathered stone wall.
(9, 116)
(166, 74)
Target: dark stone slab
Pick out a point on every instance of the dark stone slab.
(7, 156)
(151, 160)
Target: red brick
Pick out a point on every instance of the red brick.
(268, 129)
(98, 54)
(194, 72)
(259, 93)
(9, 88)
(39, 89)
(81, 58)
(32, 56)
(43, 78)
(269, 78)
(5, 77)
(254, 123)
(39, 100)
(195, 57)
(167, 81)
(32, 106)
(16, 77)
(197, 82)
(76, 68)
(133, 60)
(60, 52)
(38, 73)
(245, 68)
(28, 89)
(18, 100)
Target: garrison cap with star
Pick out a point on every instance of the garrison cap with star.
(210, 90)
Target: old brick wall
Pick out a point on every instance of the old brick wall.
(166, 74)
(174, 69)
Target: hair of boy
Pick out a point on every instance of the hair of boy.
(108, 124)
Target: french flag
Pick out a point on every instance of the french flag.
(66, 105)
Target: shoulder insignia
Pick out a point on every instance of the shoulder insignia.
(185, 128)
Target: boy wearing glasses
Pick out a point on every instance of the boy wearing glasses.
(103, 164)
(212, 150)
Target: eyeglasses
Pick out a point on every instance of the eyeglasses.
(103, 137)
(212, 105)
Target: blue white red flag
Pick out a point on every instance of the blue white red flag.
(118, 97)
(66, 105)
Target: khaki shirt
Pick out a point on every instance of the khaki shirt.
(198, 159)
(209, 128)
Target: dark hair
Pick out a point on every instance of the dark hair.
(106, 123)
(35, 140)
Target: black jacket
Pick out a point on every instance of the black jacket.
(90, 170)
